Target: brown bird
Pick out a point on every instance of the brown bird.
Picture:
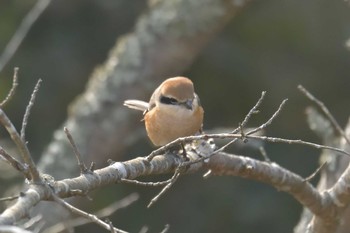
(173, 111)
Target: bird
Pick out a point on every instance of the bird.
(174, 110)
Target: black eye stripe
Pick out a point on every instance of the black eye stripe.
(168, 100)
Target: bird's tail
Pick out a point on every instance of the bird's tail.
(136, 104)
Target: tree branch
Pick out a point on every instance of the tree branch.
(12, 90)
(220, 164)
(22, 31)
(22, 146)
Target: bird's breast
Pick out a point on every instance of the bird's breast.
(167, 124)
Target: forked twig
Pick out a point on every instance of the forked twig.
(251, 112)
(19, 140)
(22, 146)
(238, 136)
(173, 179)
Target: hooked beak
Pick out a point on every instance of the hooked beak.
(188, 104)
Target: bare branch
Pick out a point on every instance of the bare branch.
(103, 213)
(297, 141)
(318, 170)
(111, 227)
(29, 107)
(166, 228)
(9, 198)
(13, 229)
(325, 111)
(253, 110)
(271, 173)
(264, 154)
(22, 31)
(13, 88)
(15, 163)
(22, 146)
(91, 217)
(26, 201)
(220, 164)
(261, 127)
(83, 168)
(33, 221)
(269, 121)
(167, 187)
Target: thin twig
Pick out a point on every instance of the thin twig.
(103, 213)
(117, 205)
(269, 121)
(91, 217)
(251, 112)
(13, 88)
(238, 136)
(325, 110)
(264, 138)
(29, 107)
(83, 168)
(264, 154)
(22, 31)
(310, 177)
(298, 141)
(22, 146)
(111, 227)
(261, 127)
(208, 174)
(168, 186)
(166, 228)
(243, 137)
(13, 229)
(33, 221)
(9, 198)
(15, 163)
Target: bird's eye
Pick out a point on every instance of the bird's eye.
(168, 100)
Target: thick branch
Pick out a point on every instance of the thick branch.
(270, 173)
(221, 164)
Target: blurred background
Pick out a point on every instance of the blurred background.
(271, 45)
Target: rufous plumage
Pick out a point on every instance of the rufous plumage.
(173, 111)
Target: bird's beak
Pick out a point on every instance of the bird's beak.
(188, 104)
